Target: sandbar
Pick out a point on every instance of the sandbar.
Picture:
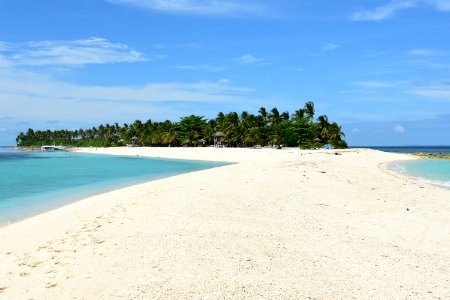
(276, 224)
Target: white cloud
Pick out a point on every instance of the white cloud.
(33, 85)
(330, 47)
(4, 46)
(159, 46)
(69, 53)
(442, 5)
(355, 131)
(199, 7)
(399, 129)
(224, 81)
(391, 8)
(439, 91)
(205, 68)
(383, 12)
(4, 62)
(17, 85)
(194, 67)
(248, 59)
(190, 45)
(428, 58)
(372, 84)
(426, 52)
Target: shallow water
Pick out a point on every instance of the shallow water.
(434, 171)
(34, 182)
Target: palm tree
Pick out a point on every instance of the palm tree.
(284, 116)
(299, 114)
(190, 129)
(323, 120)
(169, 138)
(232, 128)
(335, 132)
(101, 131)
(309, 110)
(262, 111)
(322, 128)
(274, 116)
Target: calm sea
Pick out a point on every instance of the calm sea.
(434, 171)
(414, 149)
(35, 182)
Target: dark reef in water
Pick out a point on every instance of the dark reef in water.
(432, 155)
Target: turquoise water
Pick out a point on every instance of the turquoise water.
(413, 149)
(434, 171)
(35, 182)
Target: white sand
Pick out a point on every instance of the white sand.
(279, 224)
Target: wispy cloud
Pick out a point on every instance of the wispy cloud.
(4, 46)
(389, 9)
(69, 53)
(200, 7)
(442, 5)
(190, 45)
(30, 84)
(427, 58)
(248, 59)
(330, 47)
(372, 84)
(206, 68)
(383, 12)
(35, 90)
(4, 62)
(437, 91)
(426, 52)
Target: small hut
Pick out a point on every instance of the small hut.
(218, 137)
(133, 141)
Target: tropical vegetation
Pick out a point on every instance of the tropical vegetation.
(267, 128)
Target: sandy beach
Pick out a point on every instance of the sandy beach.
(277, 224)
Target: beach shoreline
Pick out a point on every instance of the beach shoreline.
(276, 223)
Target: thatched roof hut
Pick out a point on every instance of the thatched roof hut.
(218, 136)
(134, 139)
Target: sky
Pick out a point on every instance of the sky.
(380, 68)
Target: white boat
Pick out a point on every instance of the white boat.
(47, 148)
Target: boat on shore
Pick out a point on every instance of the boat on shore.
(47, 148)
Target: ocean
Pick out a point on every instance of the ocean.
(35, 182)
(434, 171)
(413, 149)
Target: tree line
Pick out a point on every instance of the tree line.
(267, 128)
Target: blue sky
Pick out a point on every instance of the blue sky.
(381, 68)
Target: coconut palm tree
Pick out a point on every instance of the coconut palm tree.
(309, 110)
(335, 132)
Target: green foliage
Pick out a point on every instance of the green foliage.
(267, 128)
